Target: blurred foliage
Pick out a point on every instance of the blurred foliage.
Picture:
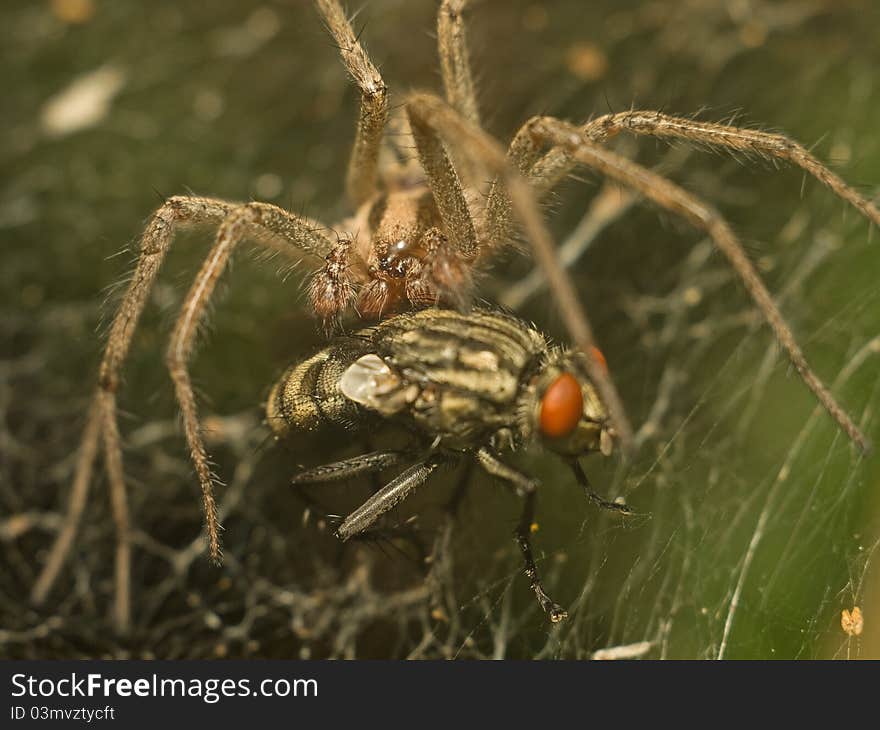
(247, 100)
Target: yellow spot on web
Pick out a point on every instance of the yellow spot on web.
(533, 528)
(692, 296)
(438, 614)
(852, 622)
(586, 61)
(73, 11)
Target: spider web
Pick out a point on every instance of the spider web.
(756, 521)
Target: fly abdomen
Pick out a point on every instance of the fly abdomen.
(307, 395)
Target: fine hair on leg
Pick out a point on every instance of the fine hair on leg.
(270, 227)
(363, 166)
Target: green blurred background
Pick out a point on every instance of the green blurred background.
(758, 523)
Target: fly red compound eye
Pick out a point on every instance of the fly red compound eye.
(561, 406)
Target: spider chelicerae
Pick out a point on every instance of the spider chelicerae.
(416, 237)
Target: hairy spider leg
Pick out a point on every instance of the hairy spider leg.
(275, 229)
(363, 166)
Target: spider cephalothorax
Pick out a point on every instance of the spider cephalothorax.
(417, 235)
(391, 256)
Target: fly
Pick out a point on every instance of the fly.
(465, 386)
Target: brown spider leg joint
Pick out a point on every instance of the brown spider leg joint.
(331, 289)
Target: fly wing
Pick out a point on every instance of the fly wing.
(372, 383)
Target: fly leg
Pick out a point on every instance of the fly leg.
(347, 468)
(389, 496)
(370, 463)
(581, 477)
(525, 487)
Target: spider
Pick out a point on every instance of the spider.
(417, 236)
